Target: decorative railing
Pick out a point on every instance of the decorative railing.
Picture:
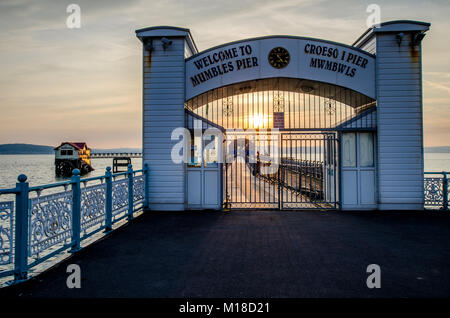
(6, 232)
(36, 227)
(436, 190)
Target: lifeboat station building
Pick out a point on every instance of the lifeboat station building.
(284, 122)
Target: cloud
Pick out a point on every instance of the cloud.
(92, 73)
(437, 85)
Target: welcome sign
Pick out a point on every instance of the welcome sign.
(292, 57)
(222, 62)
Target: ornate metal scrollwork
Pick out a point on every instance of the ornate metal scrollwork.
(138, 190)
(433, 191)
(6, 232)
(278, 102)
(50, 221)
(330, 106)
(228, 106)
(93, 199)
(119, 196)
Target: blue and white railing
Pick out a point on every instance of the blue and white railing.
(35, 227)
(436, 190)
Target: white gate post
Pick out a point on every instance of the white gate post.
(164, 53)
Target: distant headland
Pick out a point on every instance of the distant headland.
(29, 149)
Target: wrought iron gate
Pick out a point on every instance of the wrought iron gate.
(281, 171)
(308, 171)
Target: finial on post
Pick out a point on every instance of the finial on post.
(75, 172)
(108, 173)
(22, 178)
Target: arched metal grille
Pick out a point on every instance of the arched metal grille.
(283, 103)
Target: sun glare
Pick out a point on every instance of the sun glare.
(256, 121)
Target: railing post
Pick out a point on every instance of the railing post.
(130, 192)
(76, 210)
(21, 230)
(445, 190)
(108, 200)
(146, 185)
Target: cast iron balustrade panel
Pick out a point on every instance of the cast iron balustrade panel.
(138, 191)
(119, 196)
(93, 199)
(433, 191)
(6, 232)
(49, 221)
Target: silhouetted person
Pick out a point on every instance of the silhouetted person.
(258, 163)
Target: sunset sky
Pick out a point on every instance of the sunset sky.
(84, 84)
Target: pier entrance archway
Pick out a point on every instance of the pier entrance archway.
(281, 139)
(294, 85)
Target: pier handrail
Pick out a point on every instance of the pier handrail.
(8, 191)
(51, 185)
(35, 229)
(437, 172)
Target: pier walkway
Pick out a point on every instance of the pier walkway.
(259, 254)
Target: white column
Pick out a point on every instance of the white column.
(163, 111)
(399, 115)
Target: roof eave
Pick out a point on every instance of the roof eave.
(392, 26)
(168, 31)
